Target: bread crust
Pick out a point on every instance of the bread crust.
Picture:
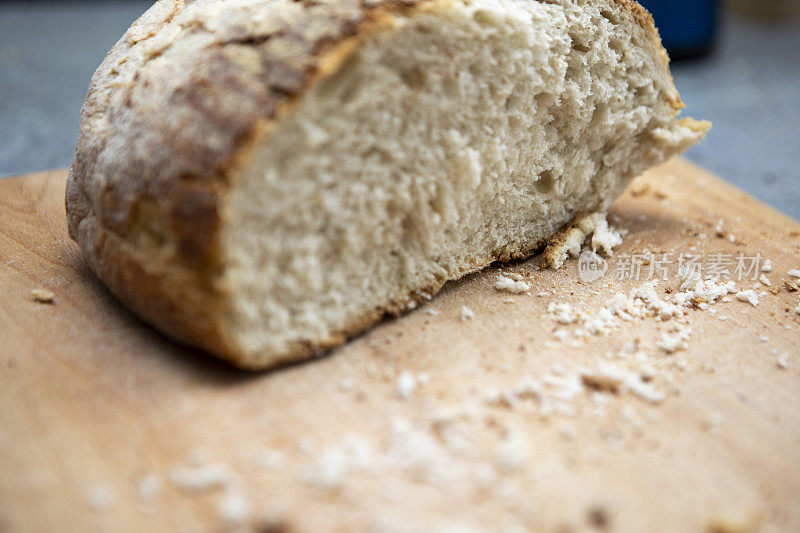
(159, 140)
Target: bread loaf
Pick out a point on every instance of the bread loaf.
(264, 178)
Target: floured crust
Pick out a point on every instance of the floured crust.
(176, 105)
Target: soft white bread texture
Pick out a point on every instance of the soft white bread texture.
(263, 178)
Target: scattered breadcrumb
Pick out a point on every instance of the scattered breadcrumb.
(604, 237)
(763, 279)
(406, 384)
(148, 486)
(697, 291)
(794, 273)
(783, 362)
(43, 296)
(346, 384)
(512, 452)
(767, 266)
(330, 470)
(269, 459)
(614, 380)
(748, 296)
(233, 508)
(466, 313)
(514, 286)
(199, 478)
(602, 379)
(666, 310)
(499, 398)
(676, 340)
(561, 334)
(570, 241)
(563, 312)
(99, 497)
(334, 463)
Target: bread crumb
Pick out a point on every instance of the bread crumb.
(695, 290)
(99, 497)
(335, 462)
(466, 313)
(199, 478)
(763, 279)
(513, 286)
(346, 384)
(561, 334)
(714, 423)
(783, 362)
(43, 296)
(767, 266)
(148, 486)
(604, 237)
(511, 452)
(563, 312)
(406, 384)
(673, 341)
(794, 273)
(570, 241)
(269, 459)
(331, 469)
(563, 245)
(602, 380)
(497, 398)
(748, 296)
(666, 310)
(233, 509)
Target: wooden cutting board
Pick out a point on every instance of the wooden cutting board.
(107, 425)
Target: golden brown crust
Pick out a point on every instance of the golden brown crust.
(173, 108)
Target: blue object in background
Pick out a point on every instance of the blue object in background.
(687, 27)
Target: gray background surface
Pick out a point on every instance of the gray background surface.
(749, 88)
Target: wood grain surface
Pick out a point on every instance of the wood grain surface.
(424, 423)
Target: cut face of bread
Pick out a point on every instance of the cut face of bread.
(438, 138)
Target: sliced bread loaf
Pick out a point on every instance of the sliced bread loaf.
(264, 178)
